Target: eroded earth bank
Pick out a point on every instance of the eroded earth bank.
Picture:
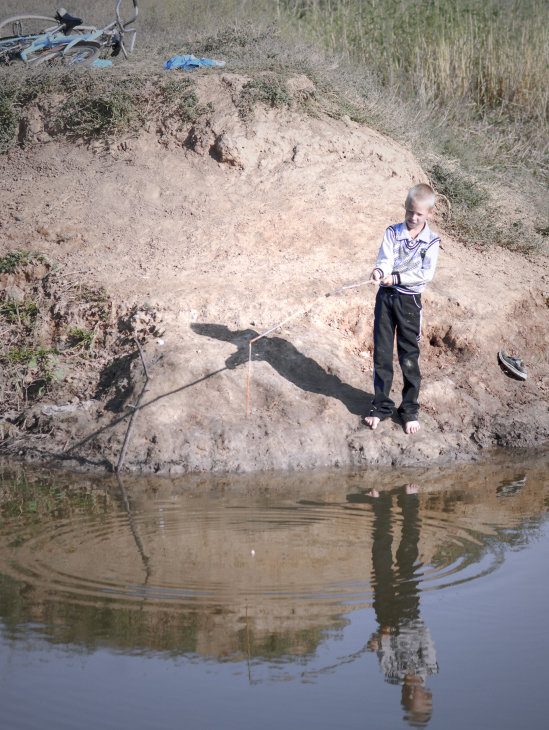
(195, 238)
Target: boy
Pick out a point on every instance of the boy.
(405, 264)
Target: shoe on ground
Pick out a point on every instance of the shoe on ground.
(514, 364)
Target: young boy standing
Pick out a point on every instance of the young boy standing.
(405, 264)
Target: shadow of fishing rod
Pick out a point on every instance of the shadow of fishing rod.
(299, 312)
(131, 411)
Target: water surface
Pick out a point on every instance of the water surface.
(374, 599)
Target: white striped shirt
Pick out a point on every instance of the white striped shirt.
(411, 261)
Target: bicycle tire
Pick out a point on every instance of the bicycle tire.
(34, 24)
(82, 53)
(10, 50)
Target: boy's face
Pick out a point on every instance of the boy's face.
(416, 215)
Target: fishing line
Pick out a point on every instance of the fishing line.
(293, 316)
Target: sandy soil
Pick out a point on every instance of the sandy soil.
(224, 228)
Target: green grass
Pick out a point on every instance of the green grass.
(9, 117)
(24, 313)
(11, 262)
(29, 370)
(81, 338)
(38, 342)
(270, 90)
(32, 356)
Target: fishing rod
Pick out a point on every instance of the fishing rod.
(293, 316)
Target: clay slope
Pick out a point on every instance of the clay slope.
(223, 228)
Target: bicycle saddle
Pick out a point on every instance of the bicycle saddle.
(69, 21)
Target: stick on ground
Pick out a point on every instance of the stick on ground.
(135, 408)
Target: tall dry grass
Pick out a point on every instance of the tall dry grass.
(493, 52)
(476, 59)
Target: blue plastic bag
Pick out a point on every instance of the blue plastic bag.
(189, 62)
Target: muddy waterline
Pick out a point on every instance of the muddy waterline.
(354, 599)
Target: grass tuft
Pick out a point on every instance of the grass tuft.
(460, 189)
(80, 338)
(98, 112)
(11, 262)
(270, 90)
(25, 313)
(179, 98)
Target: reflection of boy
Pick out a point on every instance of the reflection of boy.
(405, 264)
(403, 643)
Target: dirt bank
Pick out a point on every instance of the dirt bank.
(202, 234)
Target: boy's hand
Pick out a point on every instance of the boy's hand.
(377, 277)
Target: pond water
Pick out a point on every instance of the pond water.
(373, 599)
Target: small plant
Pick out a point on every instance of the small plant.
(31, 370)
(14, 260)
(31, 356)
(190, 109)
(173, 89)
(98, 298)
(9, 118)
(25, 313)
(81, 338)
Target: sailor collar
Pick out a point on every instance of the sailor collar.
(403, 234)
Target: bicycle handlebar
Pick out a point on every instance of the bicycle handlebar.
(124, 23)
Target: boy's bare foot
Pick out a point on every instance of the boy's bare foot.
(372, 421)
(411, 426)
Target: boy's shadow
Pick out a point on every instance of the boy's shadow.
(288, 362)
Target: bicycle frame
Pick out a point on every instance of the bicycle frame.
(57, 40)
(56, 37)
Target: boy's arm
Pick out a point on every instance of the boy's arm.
(385, 257)
(423, 275)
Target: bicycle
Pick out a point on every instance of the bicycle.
(67, 41)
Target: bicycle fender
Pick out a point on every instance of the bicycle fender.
(87, 39)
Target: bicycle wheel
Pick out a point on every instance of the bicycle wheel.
(28, 25)
(83, 53)
(10, 50)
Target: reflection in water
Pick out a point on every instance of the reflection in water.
(403, 642)
(134, 529)
(509, 487)
(284, 577)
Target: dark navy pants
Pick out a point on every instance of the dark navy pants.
(400, 313)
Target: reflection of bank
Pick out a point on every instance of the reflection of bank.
(403, 642)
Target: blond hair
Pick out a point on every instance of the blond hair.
(421, 193)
